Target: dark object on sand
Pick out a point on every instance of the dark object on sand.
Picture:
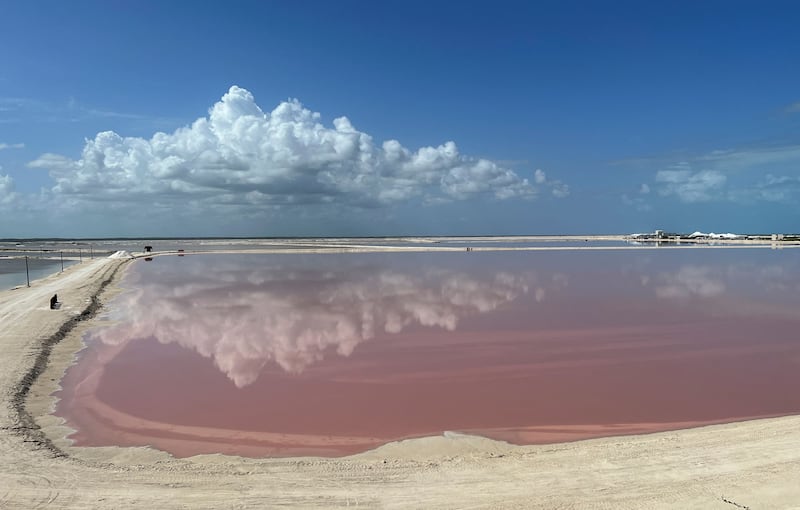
(148, 248)
(148, 259)
(53, 301)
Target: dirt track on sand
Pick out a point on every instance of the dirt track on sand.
(753, 464)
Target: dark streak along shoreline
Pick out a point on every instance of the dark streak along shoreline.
(24, 422)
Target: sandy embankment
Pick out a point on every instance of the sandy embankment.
(754, 464)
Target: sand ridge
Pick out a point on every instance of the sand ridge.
(754, 464)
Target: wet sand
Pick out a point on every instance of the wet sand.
(754, 463)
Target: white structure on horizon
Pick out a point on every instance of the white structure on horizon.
(712, 235)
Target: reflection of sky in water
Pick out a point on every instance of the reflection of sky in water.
(245, 311)
(12, 270)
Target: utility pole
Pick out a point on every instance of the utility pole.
(27, 273)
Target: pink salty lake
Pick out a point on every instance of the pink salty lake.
(334, 354)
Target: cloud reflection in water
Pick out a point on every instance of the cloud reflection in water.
(246, 319)
(690, 280)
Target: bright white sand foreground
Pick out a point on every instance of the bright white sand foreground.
(752, 464)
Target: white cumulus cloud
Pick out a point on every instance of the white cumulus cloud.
(691, 186)
(7, 193)
(556, 187)
(772, 188)
(240, 154)
(745, 175)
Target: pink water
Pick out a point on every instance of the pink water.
(266, 355)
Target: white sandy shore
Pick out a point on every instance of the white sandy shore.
(753, 464)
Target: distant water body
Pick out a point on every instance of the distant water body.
(13, 274)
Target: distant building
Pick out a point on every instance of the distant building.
(658, 234)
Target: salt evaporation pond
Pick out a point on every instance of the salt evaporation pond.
(332, 354)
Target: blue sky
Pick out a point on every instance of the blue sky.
(564, 117)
